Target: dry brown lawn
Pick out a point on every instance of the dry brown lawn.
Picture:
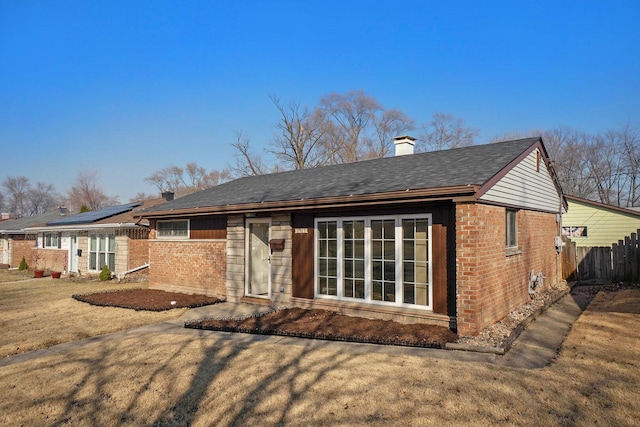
(203, 378)
(39, 313)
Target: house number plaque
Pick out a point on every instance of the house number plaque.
(302, 230)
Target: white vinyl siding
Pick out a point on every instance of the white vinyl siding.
(528, 185)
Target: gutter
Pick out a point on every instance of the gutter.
(458, 193)
(81, 227)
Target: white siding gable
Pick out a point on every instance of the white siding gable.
(525, 187)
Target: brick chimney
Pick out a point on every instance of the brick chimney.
(404, 144)
(168, 195)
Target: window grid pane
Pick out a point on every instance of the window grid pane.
(353, 270)
(415, 242)
(328, 258)
(383, 260)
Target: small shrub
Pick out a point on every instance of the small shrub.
(105, 274)
(23, 265)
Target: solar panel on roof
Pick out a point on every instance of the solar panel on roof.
(93, 216)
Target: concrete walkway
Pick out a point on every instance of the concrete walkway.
(539, 343)
(535, 347)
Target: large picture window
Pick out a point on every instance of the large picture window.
(380, 260)
(102, 251)
(178, 229)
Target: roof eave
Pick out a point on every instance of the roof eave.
(80, 227)
(457, 193)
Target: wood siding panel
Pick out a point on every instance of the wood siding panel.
(303, 256)
(208, 228)
(439, 251)
(604, 226)
(526, 187)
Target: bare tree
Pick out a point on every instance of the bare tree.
(298, 141)
(247, 163)
(42, 198)
(606, 168)
(347, 118)
(142, 196)
(167, 179)
(17, 189)
(629, 140)
(569, 151)
(86, 191)
(182, 181)
(390, 124)
(446, 131)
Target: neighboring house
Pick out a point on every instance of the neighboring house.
(16, 243)
(86, 242)
(589, 223)
(448, 237)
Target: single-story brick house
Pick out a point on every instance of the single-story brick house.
(83, 243)
(16, 243)
(448, 237)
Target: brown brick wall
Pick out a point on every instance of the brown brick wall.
(490, 283)
(21, 246)
(138, 248)
(196, 266)
(49, 259)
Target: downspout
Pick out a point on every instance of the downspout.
(121, 276)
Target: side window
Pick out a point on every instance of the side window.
(178, 229)
(512, 229)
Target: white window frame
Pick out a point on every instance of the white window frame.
(48, 239)
(107, 238)
(172, 237)
(399, 266)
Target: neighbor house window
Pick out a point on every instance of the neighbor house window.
(380, 260)
(512, 228)
(52, 240)
(573, 232)
(102, 251)
(176, 229)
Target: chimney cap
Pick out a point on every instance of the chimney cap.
(402, 138)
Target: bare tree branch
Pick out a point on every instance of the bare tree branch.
(87, 191)
(446, 131)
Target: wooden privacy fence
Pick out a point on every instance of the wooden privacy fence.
(618, 263)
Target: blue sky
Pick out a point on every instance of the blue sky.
(127, 88)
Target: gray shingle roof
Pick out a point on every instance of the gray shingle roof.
(472, 165)
(17, 225)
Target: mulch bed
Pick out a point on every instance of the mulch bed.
(294, 322)
(146, 299)
(328, 325)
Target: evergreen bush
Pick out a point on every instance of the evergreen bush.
(23, 265)
(105, 274)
